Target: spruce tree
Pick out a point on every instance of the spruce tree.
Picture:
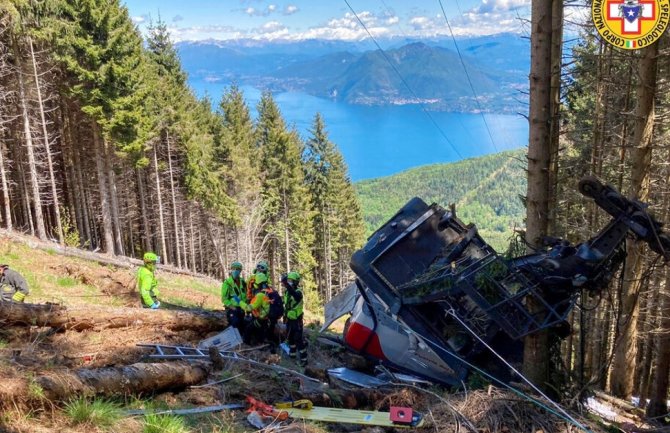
(286, 204)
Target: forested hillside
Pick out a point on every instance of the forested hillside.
(104, 146)
(486, 192)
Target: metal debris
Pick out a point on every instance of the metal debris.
(356, 378)
(226, 340)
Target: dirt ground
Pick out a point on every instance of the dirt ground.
(26, 352)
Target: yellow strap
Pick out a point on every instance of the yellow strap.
(18, 297)
(300, 404)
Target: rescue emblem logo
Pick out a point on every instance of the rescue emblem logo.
(630, 24)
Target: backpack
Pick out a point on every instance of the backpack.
(276, 305)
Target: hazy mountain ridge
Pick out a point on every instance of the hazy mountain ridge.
(348, 72)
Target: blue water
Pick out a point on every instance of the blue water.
(380, 141)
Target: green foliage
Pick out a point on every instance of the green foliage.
(486, 192)
(71, 234)
(286, 203)
(35, 390)
(3, 343)
(164, 424)
(66, 282)
(338, 223)
(97, 412)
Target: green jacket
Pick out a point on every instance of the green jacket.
(259, 306)
(293, 303)
(147, 285)
(229, 290)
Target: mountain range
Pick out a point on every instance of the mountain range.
(429, 72)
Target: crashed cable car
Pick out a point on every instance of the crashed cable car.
(431, 294)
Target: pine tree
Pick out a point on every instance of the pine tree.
(337, 218)
(285, 205)
(241, 172)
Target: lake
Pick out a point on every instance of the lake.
(380, 141)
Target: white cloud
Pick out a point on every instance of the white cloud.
(271, 27)
(421, 23)
(254, 12)
(503, 16)
(290, 9)
(139, 19)
(501, 5)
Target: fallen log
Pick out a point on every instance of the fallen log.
(137, 378)
(140, 378)
(80, 319)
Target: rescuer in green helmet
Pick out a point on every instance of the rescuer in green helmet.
(259, 307)
(147, 283)
(13, 287)
(293, 301)
(234, 296)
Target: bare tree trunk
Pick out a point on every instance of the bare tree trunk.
(555, 98)
(658, 396)
(621, 381)
(47, 147)
(113, 195)
(107, 229)
(32, 164)
(212, 238)
(163, 247)
(141, 193)
(83, 202)
(174, 201)
(5, 190)
(536, 363)
(287, 239)
(190, 220)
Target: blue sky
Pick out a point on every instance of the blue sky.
(329, 19)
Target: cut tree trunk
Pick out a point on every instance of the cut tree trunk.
(137, 378)
(58, 316)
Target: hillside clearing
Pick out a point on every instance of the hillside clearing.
(28, 354)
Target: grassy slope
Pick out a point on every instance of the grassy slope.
(72, 281)
(485, 190)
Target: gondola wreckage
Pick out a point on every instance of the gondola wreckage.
(433, 301)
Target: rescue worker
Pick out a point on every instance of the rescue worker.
(147, 283)
(261, 268)
(234, 296)
(13, 287)
(293, 301)
(259, 307)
